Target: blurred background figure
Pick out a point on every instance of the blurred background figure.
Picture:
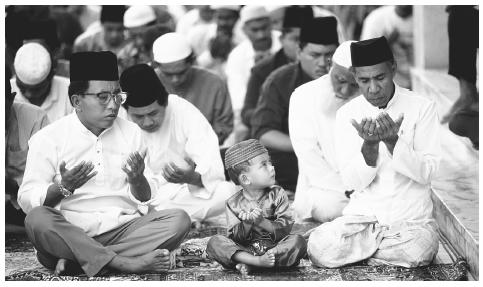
(261, 42)
(197, 16)
(143, 26)
(269, 124)
(111, 35)
(396, 24)
(350, 18)
(463, 49)
(291, 26)
(36, 83)
(173, 61)
(276, 13)
(22, 120)
(213, 45)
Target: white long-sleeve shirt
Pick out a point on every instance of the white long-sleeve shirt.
(56, 104)
(105, 201)
(312, 111)
(185, 132)
(398, 188)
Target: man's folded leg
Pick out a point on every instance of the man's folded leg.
(55, 238)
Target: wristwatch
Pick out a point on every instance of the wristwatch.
(64, 191)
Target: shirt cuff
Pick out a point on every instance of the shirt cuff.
(143, 206)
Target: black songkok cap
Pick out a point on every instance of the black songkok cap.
(295, 16)
(370, 52)
(45, 30)
(92, 66)
(142, 86)
(112, 13)
(320, 30)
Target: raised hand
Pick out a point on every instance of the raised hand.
(134, 167)
(367, 130)
(175, 174)
(77, 176)
(387, 128)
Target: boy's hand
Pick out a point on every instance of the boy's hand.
(256, 216)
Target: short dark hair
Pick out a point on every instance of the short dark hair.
(77, 88)
(235, 171)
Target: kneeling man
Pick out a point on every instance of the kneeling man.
(85, 186)
(183, 147)
(387, 147)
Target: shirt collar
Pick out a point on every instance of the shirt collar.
(394, 98)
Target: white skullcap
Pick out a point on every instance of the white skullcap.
(251, 12)
(32, 63)
(171, 47)
(342, 55)
(137, 16)
(228, 7)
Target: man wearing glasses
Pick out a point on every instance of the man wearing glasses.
(270, 119)
(86, 188)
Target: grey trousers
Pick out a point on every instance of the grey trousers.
(54, 237)
(291, 249)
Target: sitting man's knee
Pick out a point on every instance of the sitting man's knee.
(37, 218)
(182, 220)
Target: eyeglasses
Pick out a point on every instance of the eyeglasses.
(104, 97)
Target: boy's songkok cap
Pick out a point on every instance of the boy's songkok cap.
(243, 151)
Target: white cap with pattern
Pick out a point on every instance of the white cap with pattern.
(32, 63)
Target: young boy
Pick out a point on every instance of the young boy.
(259, 220)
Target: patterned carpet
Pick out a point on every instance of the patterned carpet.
(193, 265)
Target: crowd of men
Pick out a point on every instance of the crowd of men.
(115, 145)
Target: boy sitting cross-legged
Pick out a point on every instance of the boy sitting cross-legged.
(259, 220)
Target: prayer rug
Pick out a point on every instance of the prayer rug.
(193, 265)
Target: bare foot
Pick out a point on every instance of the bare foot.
(67, 267)
(244, 269)
(267, 259)
(155, 261)
(60, 267)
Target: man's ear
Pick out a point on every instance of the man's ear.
(243, 178)
(75, 100)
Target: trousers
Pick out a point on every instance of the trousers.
(54, 238)
(291, 249)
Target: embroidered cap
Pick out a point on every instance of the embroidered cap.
(243, 151)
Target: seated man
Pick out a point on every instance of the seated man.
(111, 35)
(320, 190)
(86, 188)
(35, 82)
(183, 148)
(389, 163)
(22, 121)
(270, 118)
(174, 60)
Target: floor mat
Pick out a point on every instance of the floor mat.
(193, 265)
